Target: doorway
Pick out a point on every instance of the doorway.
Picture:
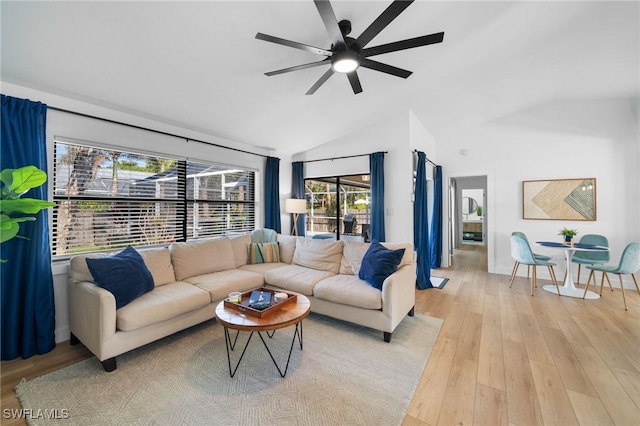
(468, 213)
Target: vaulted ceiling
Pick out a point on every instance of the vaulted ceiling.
(198, 64)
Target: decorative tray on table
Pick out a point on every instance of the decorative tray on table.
(259, 302)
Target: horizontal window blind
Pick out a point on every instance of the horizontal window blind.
(220, 200)
(107, 199)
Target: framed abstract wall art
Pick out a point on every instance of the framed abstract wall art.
(559, 199)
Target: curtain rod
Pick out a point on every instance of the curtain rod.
(153, 130)
(428, 161)
(340, 158)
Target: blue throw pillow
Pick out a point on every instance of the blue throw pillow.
(378, 263)
(125, 275)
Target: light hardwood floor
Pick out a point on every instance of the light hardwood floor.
(502, 356)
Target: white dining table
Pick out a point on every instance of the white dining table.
(568, 288)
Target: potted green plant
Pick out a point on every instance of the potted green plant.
(568, 234)
(13, 209)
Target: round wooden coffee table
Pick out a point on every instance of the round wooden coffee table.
(289, 314)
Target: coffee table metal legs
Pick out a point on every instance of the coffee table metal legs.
(231, 346)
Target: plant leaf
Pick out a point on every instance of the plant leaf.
(24, 205)
(19, 181)
(8, 228)
(6, 177)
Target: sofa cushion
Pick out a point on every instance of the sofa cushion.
(163, 303)
(125, 275)
(239, 245)
(378, 263)
(354, 251)
(78, 269)
(287, 247)
(261, 268)
(318, 254)
(263, 253)
(201, 257)
(295, 278)
(352, 254)
(220, 284)
(348, 290)
(158, 260)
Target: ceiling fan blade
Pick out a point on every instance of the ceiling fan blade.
(298, 67)
(404, 44)
(385, 18)
(379, 66)
(320, 82)
(330, 21)
(355, 82)
(294, 44)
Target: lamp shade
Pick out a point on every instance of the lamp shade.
(293, 205)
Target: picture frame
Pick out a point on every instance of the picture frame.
(559, 199)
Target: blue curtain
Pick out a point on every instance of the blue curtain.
(28, 308)
(272, 195)
(435, 242)
(421, 225)
(297, 191)
(376, 169)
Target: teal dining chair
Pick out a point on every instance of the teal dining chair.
(629, 265)
(535, 255)
(522, 254)
(591, 257)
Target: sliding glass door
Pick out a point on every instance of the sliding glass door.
(338, 207)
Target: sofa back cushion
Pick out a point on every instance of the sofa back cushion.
(78, 269)
(287, 247)
(352, 255)
(158, 261)
(354, 251)
(321, 255)
(239, 244)
(202, 257)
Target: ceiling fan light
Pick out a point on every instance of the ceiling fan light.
(345, 62)
(345, 65)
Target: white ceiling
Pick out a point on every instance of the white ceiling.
(198, 65)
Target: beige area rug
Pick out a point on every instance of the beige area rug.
(345, 375)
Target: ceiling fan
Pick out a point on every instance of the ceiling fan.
(347, 54)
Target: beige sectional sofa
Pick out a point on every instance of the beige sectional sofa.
(191, 278)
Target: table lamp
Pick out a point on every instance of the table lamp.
(295, 207)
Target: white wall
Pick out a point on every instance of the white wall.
(571, 139)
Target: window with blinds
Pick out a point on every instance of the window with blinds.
(107, 199)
